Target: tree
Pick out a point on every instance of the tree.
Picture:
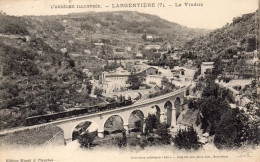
(164, 133)
(88, 87)
(187, 139)
(211, 113)
(138, 124)
(236, 129)
(144, 37)
(122, 141)
(226, 132)
(98, 92)
(87, 27)
(251, 45)
(55, 108)
(143, 142)
(112, 66)
(135, 80)
(110, 99)
(167, 84)
(197, 73)
(164, 81)
(210, 90)
(214, 102)
(151, 123)
(86, 140)
(193, 104)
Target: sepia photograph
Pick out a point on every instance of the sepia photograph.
(129, 80)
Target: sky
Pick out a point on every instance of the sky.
(213, 14)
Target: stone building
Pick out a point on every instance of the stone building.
(206, 67)
(115, 81)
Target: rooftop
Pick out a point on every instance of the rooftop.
(99, 44)
(207, 63)
(153, 46)
(239, 82)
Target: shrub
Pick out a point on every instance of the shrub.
(86, 140)
(56, 108)
(98, 92)
(110, 100)
(161, 92)
(236, 129)
(15, 102)
(187, 139)
(138, 124)
(143, 142)
(151, 123)
(192, 104)
(14, 25)
(164, 133)
(151, 141)
(133, 141)
(122, 141)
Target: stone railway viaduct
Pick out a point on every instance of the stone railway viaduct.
(168, 107)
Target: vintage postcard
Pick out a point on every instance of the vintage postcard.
(129, 80)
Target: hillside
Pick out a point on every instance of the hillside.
(35, 77)
(232, 47)
(39, 73)
(123, 28)
(238, 36)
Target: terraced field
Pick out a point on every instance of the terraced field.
(32, 137)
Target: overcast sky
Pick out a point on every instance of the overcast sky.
(214, 13)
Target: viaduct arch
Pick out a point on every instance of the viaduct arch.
(166, 107)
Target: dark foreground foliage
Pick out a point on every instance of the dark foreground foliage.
(187, 139)
(86, 140)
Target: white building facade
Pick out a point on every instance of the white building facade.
(206, 66)
(115, 81)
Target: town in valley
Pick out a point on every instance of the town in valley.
(128, 80)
